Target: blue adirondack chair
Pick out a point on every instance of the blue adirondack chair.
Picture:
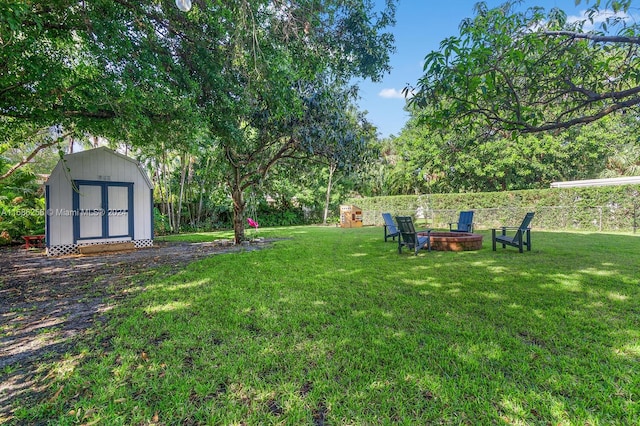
(521, 238)
(464, 223)
(409, 236)
(390, 229)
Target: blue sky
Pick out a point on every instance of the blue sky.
(421, 26)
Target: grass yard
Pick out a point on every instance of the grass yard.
(332, 326)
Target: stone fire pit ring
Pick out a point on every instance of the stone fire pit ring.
(454, 241)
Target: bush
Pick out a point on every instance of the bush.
(22, 205)
(160, 223)
(271, 216)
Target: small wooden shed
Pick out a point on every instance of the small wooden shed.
(350, 216)
(97, 197)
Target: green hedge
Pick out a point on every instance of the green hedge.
(604, 208)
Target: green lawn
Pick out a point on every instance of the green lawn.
(332, 326)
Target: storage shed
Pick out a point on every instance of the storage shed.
(97, 197)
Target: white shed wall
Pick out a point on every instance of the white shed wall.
(60, 206)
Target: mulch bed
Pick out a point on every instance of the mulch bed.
(47, 303)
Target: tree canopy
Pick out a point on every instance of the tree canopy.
(532, 71)
(239, 77)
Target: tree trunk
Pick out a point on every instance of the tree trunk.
(157, 182)
(238, 207)
(167, 187)
(183, 175)
(332, 169)
(238, 215)
(200, 205)
(202, 188)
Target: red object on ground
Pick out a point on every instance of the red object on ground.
(33, 241)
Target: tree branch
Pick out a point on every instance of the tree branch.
(593, 37)
(262, 171)
(30, 157)
(584, 119)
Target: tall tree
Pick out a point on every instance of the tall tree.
(277, 58)
(335, 135)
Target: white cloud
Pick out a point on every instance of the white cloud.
(391, 94)
(598, 19)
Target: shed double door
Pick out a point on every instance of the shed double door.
(103, 210)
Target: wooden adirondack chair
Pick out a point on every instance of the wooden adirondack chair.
(521, 238)
(409, 236)
(390, 229)
(464, 223)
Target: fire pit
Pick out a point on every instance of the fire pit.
(454, 241)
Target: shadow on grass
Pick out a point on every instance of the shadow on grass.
(335, 326)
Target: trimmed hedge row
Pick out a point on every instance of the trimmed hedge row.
(604, 208)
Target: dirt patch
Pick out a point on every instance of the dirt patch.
(47, 303)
